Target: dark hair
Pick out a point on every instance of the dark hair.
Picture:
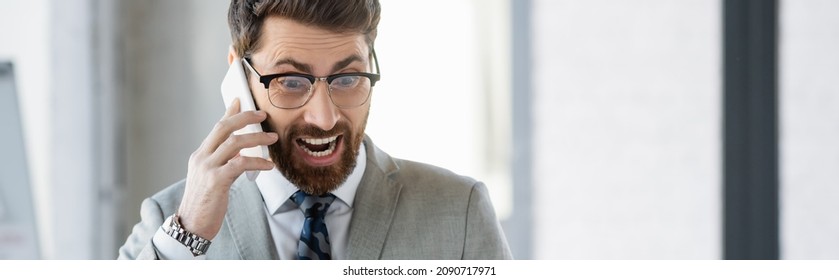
(245, 18)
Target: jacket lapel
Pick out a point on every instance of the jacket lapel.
(247, 222)
(375, 203)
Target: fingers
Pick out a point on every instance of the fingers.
(210, 143)
(221, 148)
(227, 125)
(239, 164)
(230, 147)
(215, 165)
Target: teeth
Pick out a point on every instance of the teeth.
(330, 140)
(319, 141)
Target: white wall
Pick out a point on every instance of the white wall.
(626, 113)
(50, 46)
(809, 119)
(54, 47)
(25, 40)
(74, 191)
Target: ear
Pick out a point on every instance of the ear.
(231, 55)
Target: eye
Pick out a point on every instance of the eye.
(345, 82)
(292, 84)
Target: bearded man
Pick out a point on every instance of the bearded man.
(327, 191)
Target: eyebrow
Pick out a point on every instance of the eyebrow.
(344, 63)
(308, 68)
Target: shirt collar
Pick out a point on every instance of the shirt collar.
(276, 189)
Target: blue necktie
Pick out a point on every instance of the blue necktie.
(314, 238)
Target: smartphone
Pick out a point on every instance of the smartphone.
(235, 85)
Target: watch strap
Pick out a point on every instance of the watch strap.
(197, 245)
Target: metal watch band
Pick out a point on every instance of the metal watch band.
(197, 245)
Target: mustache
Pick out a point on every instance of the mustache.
(316, 132)
(298, 130)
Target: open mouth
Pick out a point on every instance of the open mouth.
(319, 147)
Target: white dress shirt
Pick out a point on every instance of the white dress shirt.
(285, 219)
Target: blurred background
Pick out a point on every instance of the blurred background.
(605, 129)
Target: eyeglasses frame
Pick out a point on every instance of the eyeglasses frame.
(266, 81)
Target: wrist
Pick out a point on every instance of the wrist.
(203, 220)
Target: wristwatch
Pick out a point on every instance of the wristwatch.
(197, 245)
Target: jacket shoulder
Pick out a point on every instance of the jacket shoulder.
(430, 177)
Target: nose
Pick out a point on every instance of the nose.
(319, 110)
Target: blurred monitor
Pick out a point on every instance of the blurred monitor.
(18, 235)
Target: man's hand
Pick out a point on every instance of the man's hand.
(214, 167)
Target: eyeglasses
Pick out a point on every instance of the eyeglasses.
(293, 90)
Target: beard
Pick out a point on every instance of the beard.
(317, 180)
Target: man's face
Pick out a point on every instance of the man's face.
(318, 142)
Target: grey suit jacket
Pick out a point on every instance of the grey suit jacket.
(402, 210)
